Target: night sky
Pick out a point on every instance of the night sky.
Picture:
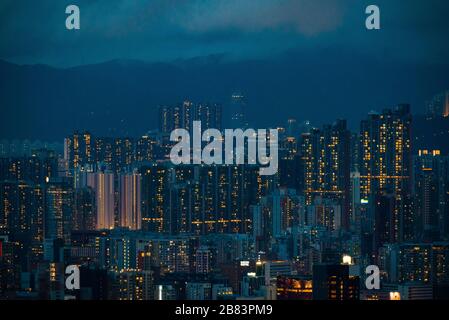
(163, 30)
(409, 55)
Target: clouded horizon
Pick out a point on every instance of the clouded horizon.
(165, 30)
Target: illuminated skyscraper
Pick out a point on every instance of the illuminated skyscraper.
(104, 151)
(385, 163)
(78, 149)
(325, 166)
(229, 191)
(199, 199)
(58, 211)
(103, 185)
(130, 201)
(84, 214)
(22, 219)
(155, 188)
(83, 149)
(183, 115)
(123, 154)
(431, 184)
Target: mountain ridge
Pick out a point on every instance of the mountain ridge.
(119, 97)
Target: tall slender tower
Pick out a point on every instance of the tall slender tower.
(130, 206)
(58, 211)
(103, 185)
(155, 196)
(78, 149)
(385, 165)
(326, 165)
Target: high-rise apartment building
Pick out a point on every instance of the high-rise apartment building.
(386, 163)
(183, 115)
(102, 183)
(58, 211)
(431, 185)
(130, 201)
(325, 157)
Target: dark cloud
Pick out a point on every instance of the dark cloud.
(301, 16)
(34, 31)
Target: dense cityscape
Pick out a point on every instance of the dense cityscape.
(141, 228)
(220, 158)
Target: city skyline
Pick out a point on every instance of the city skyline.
(226, 150)
(350, 194)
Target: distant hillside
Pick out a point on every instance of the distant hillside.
(120, 97)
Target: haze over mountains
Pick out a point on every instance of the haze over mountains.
(120, 97)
